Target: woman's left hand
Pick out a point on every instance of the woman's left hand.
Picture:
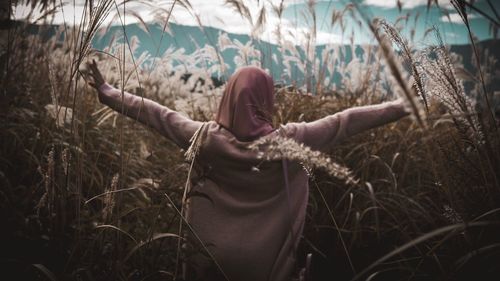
(96, 77)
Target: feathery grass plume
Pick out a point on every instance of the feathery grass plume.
(310, 46)
(196, 141)
(47, 199)
(261, 22)
(142, 24)
(62, 115)
(224, 42)
(397, 73)
(337, 17)
(407, 54)
(109, 199)
(241, 8)
(326, 66)
(460, 7)
(444, 85)
(451, 215)
(65, 159)
(91, 21)
(216, 52)
(247, 54)
(277, 147)
(394, 66)
(292, 59)
(361, 78)
(277, 31)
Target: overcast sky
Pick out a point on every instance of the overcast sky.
(217, 14)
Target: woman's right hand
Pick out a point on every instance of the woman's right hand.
(96, 77)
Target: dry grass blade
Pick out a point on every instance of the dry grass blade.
(427, 236)
(241, 8)
(493, 21)
(142, 24)
(197, 237)
(463, 260)
(107, 193)
(375, 207)
(44, 4)
(337, 16)
(493, 9)
(261, 22)
(330, 213)
(154, 238)
(45, 271)
(46, 14)
(278, 9)
(106, 226)
(127, 41)
(459, 6)
(486, 214)
(165, 24)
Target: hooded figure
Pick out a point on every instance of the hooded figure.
(247, 104)
(243, 214)
(239, 207)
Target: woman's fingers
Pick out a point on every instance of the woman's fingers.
(93, 67)
(96, 75)
(90, 66)
(92, 78)
(94, 71)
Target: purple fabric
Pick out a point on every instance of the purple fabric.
(167, 122)
(240, 212)
(247, 104)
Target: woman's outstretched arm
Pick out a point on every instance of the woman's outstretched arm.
(167, 122)
(323, 133)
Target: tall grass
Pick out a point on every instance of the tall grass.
(87, 194)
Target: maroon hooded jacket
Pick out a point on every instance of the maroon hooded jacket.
(244, 214)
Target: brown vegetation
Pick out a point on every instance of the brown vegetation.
(88, 194)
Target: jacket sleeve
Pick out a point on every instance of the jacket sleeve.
(167, 122)
(325, 132)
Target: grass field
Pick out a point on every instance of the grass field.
(85, 192)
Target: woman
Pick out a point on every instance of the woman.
(251, 219)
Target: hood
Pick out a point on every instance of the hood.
(246, 107)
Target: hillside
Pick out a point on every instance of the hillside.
(193, 38)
